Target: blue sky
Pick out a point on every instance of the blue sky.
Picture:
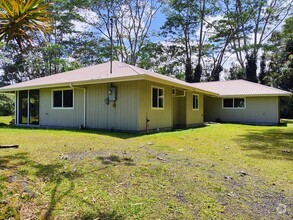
(157, 22)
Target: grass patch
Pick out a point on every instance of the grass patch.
(220, 171)
(288, 121)
(5, 120)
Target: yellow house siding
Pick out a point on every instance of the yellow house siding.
(194, 117)
(123, 116)
(257, 110)
(159, 118)
(61, 117)
(179, 111)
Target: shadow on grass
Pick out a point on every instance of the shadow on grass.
(115, 134)
(55, 176)
(115, 160)
(270, 144)
(102, 216)
(111, 133)
(52, 174)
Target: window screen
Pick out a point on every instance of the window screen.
(234, 103)
(228, 103)
(57, 99)
(157, 98)
(195, 102)
(239, 103)
(63, 99)
(67, 98)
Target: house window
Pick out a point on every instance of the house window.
(63, 98)
(195, 102)
(228, 103)
(157, 97)
(234, 103)
(239, 103)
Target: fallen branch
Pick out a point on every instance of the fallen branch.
(9, 146)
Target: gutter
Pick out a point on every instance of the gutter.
(84, 102)
(254, 95)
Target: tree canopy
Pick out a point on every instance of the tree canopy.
(206, 40)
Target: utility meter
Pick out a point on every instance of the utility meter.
(112, 94)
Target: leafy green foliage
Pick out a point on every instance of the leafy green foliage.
(197, 73)
(263, 71)
(6, 105)
(286, 107)
(279, 73)
(181, 23)
(19, 19)
(251, 67)
(235, 72)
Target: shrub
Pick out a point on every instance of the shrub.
(286, 107)
(6, 105)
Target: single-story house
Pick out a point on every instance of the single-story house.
(128, 98)
(241, 101)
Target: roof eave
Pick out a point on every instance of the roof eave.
(254, 95)
(73, 83)
(178, 85)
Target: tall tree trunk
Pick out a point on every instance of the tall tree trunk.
(215, 74)
(188, 71)
(198, 69)
(263, 72)
(197, 73)
(251, 67)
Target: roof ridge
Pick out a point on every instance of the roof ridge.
(131, 67)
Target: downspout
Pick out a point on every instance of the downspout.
(28, 107)
(15, 109)
(84, 103)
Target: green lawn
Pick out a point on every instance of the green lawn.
(289, 121)
(221, 171)
(5, 120)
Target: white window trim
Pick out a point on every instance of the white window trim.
(195, 109)
(157, 108)
(233, 103)
(52, 99)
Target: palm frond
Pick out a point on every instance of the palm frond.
(20, 18)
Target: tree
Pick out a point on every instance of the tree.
(56, 53)
(6, 105)
(198, 68)
(263, 72)
(280, 54)
(254, 21)
(280, 69)
(131, 21)
(235, 72)
(182, 20)
(20, 19)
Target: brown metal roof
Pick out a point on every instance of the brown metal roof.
(240, 88)
(99, 74)
(124, 72)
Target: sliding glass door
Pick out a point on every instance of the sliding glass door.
(34, 107)
(28, 107)
(23, 107)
